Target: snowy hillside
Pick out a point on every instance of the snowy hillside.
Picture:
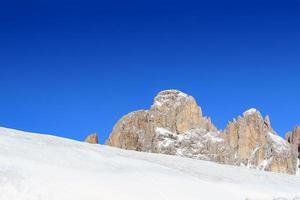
(42, 167)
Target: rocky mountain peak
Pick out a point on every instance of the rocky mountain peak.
(172, 110)
(256, 144)
(174, 125)
(253, 115)
(251, 111)
(167, 97)
(177, 111)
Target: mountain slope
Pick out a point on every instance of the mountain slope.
(43, 167)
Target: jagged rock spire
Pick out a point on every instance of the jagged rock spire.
(256, 144)
(293, 137)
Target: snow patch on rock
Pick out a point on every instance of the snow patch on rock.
(251, 111)
(168, 96)
(264, 164)
(298, 168)
(280, 145)
(196, 143)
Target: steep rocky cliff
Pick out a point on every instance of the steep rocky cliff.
(293, 137)
(255, 144)
(172, 110)
(175, 125)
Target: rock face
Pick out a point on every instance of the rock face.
(178, 112)
(174, 125)
(256, 145)
(92, 138)
(172, 110)
(132, 132)
(198, 143)
(293, 138)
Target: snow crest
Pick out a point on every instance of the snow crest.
(168, 96)
(251, 111)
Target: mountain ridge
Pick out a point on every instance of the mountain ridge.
(175, 125)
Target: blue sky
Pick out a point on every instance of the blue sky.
(70, 68)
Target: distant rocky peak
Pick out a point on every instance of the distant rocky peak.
(169, 99)
(174, 125)
(178, 112)
(256, 144)
(251, 111)
(172, 93)
(252, 114)
(252, 117)
(172, 110)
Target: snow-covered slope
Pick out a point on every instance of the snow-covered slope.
(43, 167)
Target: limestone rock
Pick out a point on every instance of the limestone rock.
(174, 125)
(92, 138)
(196, 143)
(132, 132)
(178, 112)
(293, 137)
(256, 145)
(172, 110)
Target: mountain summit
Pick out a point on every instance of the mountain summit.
(175, 125)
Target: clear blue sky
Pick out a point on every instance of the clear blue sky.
(70, 68)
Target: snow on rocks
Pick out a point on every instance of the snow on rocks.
(257, 145)
(251, 111)
(196, 143)
(279, 144)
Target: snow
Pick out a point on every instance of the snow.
(279, 144)
(298, 168)
(172, 92)
(249, 164)
(192, 144)
(166, 141)
(44, 167)
(163, 131)
(169, 96)
(213, 136)
(250, 111)
(265, 163)
(157, 104)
